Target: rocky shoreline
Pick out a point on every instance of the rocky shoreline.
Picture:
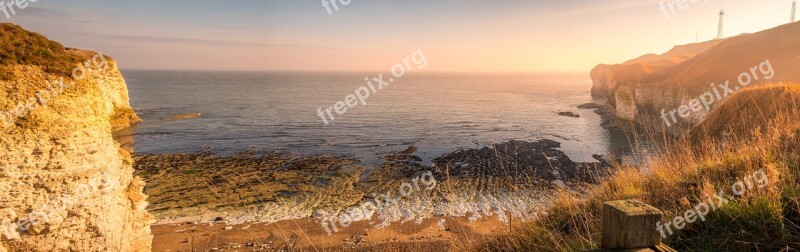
(514, 177)
(609, 120)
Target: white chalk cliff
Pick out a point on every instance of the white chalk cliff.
(63, 178)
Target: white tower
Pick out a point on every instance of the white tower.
(721, 19)
(794, 9)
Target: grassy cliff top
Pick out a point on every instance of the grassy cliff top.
(762, 136)
(21, 47)
(749, 107)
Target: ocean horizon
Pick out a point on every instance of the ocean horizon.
(435, 112)
(399, 126)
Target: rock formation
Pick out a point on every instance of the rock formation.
(648, 84)
(65, 185)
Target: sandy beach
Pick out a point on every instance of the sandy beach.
(305, 234)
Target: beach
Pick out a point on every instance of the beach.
(498, 157)
(494, 184)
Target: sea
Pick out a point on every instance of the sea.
(435, 112)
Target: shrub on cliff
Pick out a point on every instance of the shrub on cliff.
(21, 47)
(765, 219)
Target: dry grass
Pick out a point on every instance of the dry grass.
(688, 169)
(21, 47)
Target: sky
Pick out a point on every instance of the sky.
(373, 35)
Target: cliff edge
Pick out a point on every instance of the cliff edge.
(658, 84)
(65, 184)
(750, 108)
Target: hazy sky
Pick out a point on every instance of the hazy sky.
(456, 35)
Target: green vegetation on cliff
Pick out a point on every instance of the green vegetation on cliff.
(21, 47)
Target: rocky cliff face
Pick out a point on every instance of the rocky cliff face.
(631, 86)
(65, 185)
(652, 83)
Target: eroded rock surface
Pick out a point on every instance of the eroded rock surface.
(247, 186)
(513, 178)
(65, 185)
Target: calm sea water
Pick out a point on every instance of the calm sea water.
(435, 112)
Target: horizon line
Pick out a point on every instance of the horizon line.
(349, 71)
